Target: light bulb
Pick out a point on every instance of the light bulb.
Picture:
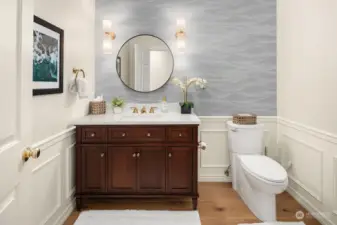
(107, 46)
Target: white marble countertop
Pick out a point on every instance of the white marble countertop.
(128, 118)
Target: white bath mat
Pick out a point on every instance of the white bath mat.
(275, 223)
(138, 217)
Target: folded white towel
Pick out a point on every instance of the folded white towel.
(79, 86)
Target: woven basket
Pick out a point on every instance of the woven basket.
(245, 119)
(96, 108)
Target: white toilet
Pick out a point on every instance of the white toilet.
(257, 178)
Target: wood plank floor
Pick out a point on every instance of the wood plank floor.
(219, 204)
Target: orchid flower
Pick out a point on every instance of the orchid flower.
(188, 82)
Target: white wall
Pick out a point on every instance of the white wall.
(52, 113)
(307, 108)
(53, 173)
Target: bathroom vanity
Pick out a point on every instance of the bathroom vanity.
(121, 156)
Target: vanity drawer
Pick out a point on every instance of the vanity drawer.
(94, 135)
(136, 134)
(180, 134)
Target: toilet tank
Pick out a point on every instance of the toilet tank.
(245, 139)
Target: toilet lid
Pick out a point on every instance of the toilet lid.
(264, 167)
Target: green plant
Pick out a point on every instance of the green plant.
(187, 104)
(117, 102)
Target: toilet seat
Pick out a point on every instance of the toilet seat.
(264, 168)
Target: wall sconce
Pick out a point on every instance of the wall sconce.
(109, 36)
(181, 35)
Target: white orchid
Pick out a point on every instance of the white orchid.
(188, 82)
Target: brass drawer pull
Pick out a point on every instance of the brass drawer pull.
(180, 135)
(123, 134)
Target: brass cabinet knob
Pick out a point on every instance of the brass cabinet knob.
(92, 135)
(123, 134)
(180, 135)
(149, 134)
(169, 155)
(138, 154)
(102, 155)
(31, 153)
(134, 155)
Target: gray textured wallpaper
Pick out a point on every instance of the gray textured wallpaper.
(231, 43)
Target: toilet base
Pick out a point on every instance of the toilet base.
(263, 205)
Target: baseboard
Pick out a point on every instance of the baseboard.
(215, 179)
(309, 206)
(65, 213)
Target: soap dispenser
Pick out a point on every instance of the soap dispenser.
(164, 105)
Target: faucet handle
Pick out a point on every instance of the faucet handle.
(143, 110)
(152, 109)
(134, 109)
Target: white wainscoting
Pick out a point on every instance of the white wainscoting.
(53, 178)
(313, 174)
(215, 160)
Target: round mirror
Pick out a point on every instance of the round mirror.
(144, 63)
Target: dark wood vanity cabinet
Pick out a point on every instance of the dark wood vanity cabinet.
(136, 161)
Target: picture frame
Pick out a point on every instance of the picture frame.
(48, 48)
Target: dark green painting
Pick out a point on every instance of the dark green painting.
(46, 58)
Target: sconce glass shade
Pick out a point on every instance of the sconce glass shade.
(181, 45)
(107, 46)
(107, 24)
(181, 23)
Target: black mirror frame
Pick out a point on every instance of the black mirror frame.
(118, 65)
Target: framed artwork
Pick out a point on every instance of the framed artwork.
(47, 58)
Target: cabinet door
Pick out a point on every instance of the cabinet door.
(180, 169)
(122, 169)
(151, 169)
(93, 169)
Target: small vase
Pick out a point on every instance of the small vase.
(185, 108)
(117, 110)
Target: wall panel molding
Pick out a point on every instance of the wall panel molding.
(319, 195)
(55, 159)
(319, 153)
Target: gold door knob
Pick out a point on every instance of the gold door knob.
(30, 153)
